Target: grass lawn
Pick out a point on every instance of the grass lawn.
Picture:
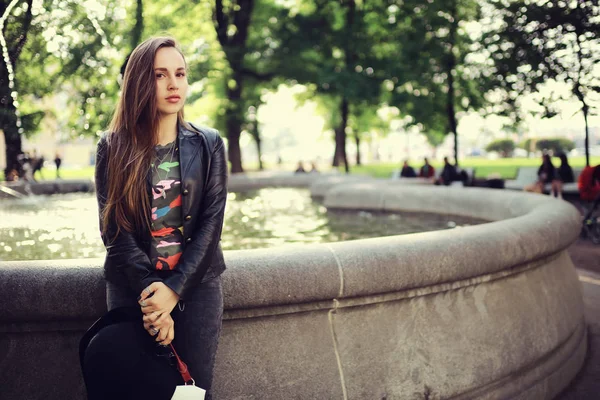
(83, 173)
(65, 173)
(505, 167)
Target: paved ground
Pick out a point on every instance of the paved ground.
(586, 258)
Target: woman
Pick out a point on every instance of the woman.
(564, 175)
(545, 173)
(162, 186)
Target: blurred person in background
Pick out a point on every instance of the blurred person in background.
(546, 174)
(58, 162)
(300, 168)
(448, 174)
(407, 171)
(564, 174)
(427, 170)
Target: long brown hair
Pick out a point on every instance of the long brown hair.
(131, 138)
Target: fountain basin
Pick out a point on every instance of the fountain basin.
(491, 311)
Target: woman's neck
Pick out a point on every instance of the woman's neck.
(167, 129)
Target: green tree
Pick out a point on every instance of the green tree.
(94, 91)
(68, 53)
(363, 121)
(503, 146)
(540, 41)
(555, 145)
(232, 22)
(88, 72)
(250, 34)
(252, 102)
(436, 76)
(335, 49)
(16, 29)
(136, 32)
(49, 47)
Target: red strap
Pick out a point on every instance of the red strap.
(183, 368)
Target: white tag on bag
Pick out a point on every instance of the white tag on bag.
(188, 392)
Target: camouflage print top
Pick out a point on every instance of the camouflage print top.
(167, 224)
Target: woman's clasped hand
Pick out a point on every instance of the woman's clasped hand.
(157, 301)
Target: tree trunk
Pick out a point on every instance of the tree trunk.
(233, 139)
(233, 122)
(8, 123)
(234, 47)
(259, 151)
(357, 140)
(450, 66)
(8, 111)
(337, 151)
(12, 140)
(587, 133)
(340, 138)
(350, 57)
(450, 109)
(577, 88)
(136, 32)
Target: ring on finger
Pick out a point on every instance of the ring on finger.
(143, 303)
(154, 331)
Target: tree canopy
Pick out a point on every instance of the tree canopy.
(432, 60)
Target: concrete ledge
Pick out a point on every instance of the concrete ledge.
(259, 180)
(492, 311)
(47, 187)
(321, 186)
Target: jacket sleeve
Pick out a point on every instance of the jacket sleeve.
(122, 251)
(198, 254)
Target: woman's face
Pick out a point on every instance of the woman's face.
(171, 80)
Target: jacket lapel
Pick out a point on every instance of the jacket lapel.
(188, 150)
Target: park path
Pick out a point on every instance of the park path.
(586, 257)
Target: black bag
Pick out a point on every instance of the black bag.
(120, 360)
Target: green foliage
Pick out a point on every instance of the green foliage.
(364, 119)
(24, 52)
(555, 145)
(191, 24)
(333, 48)
(503, 146)
(540, 41)
(434, 78)
(505, 167)
(415, 55)
(329, 46)
(63, 53)
(78, 52)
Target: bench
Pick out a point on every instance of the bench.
(528, 175)
(525, 176)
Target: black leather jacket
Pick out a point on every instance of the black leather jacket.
(204, 193)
